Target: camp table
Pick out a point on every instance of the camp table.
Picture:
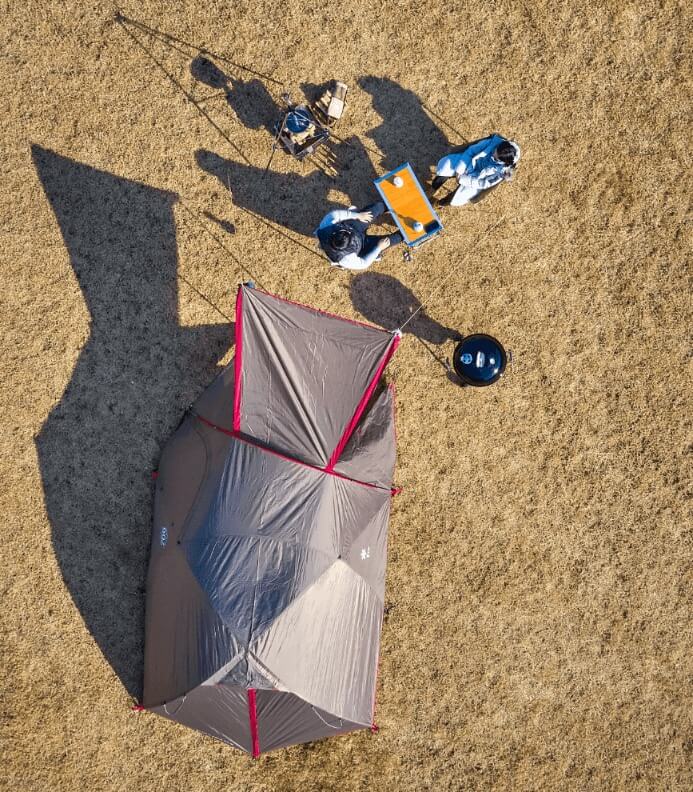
(408, 205)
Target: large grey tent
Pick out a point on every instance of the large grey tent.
(267, 571)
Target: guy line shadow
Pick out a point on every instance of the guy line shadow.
(125, 24)
(135, 376)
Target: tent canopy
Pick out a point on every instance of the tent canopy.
(267, 572)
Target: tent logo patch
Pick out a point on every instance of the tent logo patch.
(163, 538)
(365, 553)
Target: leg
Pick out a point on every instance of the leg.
(372, 240)
(438, 182)
(462, 195)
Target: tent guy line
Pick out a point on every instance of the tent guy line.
(444, 280)
(204, 227)
(186, 94)
(167, 38)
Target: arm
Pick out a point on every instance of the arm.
(481, 182)
(337, 216)
(354, 262)
(492, 179)
(480, 149)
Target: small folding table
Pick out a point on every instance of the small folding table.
(407, 203)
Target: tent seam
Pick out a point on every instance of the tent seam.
(243, 439)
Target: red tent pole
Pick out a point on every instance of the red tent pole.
(238, 362)
(252, 714)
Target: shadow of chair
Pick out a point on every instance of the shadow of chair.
(293, 200)
(134, 377)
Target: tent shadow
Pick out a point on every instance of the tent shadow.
(134, 377)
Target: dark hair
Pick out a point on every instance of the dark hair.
(505, 153)
(339, 239)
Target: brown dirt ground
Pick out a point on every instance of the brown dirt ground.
(539, 583)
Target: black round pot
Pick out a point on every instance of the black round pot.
(479, 360)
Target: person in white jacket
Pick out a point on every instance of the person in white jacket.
(343, 238)
(478, 167)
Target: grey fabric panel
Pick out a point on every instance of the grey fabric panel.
(371, 452)
(324, 646)
(186, 641)
(217, 710)
(247, 674)
(265, 495)
(251, 580)
(216, 403)
(263, 540)
(285, 719)
(303, 374)
(366, 552)
(360, 519)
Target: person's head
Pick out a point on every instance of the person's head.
(507, 153)
(339, 239)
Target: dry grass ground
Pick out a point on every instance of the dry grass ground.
(539, 581)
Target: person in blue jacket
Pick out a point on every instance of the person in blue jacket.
(343, 238)
(477, 167)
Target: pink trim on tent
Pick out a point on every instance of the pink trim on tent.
(393, 390)
(238, 361)
(248, 441)
(325, 313)
(391, 387)
(362, 405)
(252, 714)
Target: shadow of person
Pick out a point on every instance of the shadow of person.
(293, 200)
(386, 302)
(406, 134)
(134, 376)
(206, 71)
(249, 99)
